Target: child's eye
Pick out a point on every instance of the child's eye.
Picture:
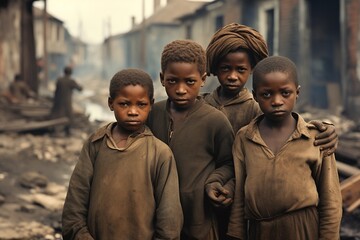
(190, 82)
(224, 68)
(266, 95)
(142, 105)
(123, 104)
(285, 93)
(241, 70)
(171, 81)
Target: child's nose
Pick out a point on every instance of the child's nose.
(181, 89)
(232, 76)
(277, 100)
(133, 111)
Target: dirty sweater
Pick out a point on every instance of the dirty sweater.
(127, 193)
(202, 150)
(240, 110)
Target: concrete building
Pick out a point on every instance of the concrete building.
(323, 39)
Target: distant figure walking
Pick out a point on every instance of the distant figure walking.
(62, 105)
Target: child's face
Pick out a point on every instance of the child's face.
(182, 82)
(233, 72)
(276, 94)
(131, 107)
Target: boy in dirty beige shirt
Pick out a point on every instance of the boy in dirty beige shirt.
(125, 184)
(233, 52)
(285, 187)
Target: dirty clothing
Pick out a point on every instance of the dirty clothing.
(123, 193)
(240, 110)
(294, 194)
(62, 105)
(202, 150)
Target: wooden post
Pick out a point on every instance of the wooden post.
(45, 21)
(28, 58)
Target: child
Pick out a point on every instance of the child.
(232, 53)
(125, 185)
(199, 135)
(285, 187)
(62, 103)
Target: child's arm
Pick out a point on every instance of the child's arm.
(237, 224)
(74, 217)
(330, 199)
(169, 216)
(327, 139)
(224, 172)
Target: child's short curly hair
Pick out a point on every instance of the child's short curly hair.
(131, 76)
(231, 38)
(185, 51)
(274, 64)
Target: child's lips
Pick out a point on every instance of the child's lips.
(231, 86)
(133, 122)
(181, 100)
(278, 112)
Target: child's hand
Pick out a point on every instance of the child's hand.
(327, 139)
(218, 195)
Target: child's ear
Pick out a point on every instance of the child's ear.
(298, 92)
(162, 79)
(110, 103)
(254, 95)
(203, 79)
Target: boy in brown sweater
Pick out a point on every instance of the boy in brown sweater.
(199, 135)
(125, 184)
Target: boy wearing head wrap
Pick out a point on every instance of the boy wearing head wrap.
(232, 54)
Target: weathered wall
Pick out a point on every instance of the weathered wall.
(352, 58)
(9, 42)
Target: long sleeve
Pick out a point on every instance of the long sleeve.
(74, 217)
(169, 216)
(330, 200)
(223, 141)
(237, 223)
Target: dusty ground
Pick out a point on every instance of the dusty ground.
(34, 172)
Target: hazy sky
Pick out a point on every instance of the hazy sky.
(93, 20)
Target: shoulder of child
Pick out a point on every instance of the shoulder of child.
(161, 147)
(99, 133)
(311, 128)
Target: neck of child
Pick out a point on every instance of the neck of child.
(122, 134)
(278, 124)
(227, 95)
